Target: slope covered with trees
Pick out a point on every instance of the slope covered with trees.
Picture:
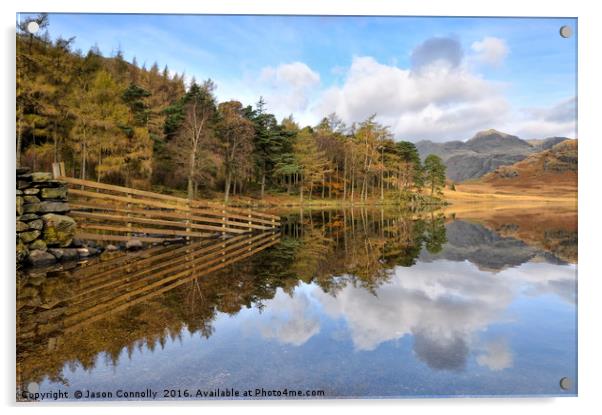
(117, 122)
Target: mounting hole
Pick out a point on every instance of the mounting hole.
(566, 31)
(33, 387)
(565, 384)
(33, 27)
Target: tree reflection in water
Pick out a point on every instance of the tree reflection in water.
(134, 300)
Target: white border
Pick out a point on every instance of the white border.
(589, 185)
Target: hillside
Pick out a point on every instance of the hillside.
(547, 175)
(483, 153)
(556, 166)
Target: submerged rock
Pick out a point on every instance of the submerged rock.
(57, 252)
(133, 244)
(38, 257)
(69, 254)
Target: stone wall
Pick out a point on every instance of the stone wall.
(44, 228)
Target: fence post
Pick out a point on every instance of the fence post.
(129, 214)
(223, 222)
(188, 229)
(56, 170)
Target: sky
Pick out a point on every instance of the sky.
(430, 78)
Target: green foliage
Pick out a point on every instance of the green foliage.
(434, 171)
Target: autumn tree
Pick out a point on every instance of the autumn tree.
(235, 141)
(310, 159)
(191, 118)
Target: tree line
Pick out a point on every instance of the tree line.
(118, 122)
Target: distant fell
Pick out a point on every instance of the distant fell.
(483, 153)
(552, 167)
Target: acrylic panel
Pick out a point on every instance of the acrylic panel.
(295, 207)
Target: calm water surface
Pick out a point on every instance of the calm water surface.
(352, 303)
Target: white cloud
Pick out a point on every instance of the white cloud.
(438, 101)
(290, 320)
(559, 119)
(440, 97)
(287, 88)
(443, 305)
(496, 356)
(491, 50)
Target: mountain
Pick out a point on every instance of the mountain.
(483, 153)
(546, 143)
(557, 166)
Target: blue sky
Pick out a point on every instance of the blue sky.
(428, 78)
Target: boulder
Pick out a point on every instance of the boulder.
(22, 184)
(38, 244)
(28, 216)
(77, 243)
(19, 205)
(83, 252)
(37, 257)
(54, 193)
(22, 251)
(58, 229)
(69, 254)
(19, 192)
(41, 177)
(49, 183)
(57, 252)
(29, 236)
(47, 207)
(133, 244)
(22, 226)
(31, 199)
(111, 248)
(36, 224)
(31, 208)
(93, 251)
(32, 191)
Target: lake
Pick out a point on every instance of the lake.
(337, 304)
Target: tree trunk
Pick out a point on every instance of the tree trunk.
(345, 177)
(227, 189)
(191, 164)
(262, 185)
(84, 156)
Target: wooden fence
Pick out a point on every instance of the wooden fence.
(116, 213)
(105, 287)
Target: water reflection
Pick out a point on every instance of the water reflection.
(352, 302)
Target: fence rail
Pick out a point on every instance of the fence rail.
(116, 213)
